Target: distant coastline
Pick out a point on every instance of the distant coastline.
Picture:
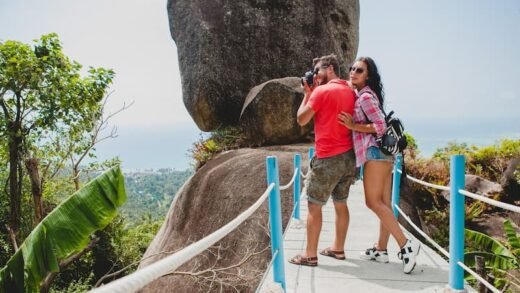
(143, 148)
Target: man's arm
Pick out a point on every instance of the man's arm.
(305, 112)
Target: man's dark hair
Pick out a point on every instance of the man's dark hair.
(331, 59)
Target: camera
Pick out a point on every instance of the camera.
(309, 77)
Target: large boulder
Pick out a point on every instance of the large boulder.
(509, 181)
(219, 191)
(227, 47)
(268, 116)
(478, 185)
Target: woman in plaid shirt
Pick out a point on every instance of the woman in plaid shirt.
(367, 122)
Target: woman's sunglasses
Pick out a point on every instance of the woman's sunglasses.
(357, 70)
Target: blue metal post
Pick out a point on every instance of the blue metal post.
(275, 221)
(297, 186)
(311, 153)
(396, 188)
(456, 222)
(361, 170)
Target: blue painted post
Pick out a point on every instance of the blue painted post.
(396, 188)
(311, 154)
(456, 222)
(297, 186)
(361, 170)
(275, 221)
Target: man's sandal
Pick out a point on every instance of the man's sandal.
(334, 254)
(304, 261)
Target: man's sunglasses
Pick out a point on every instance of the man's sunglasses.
(357, 70)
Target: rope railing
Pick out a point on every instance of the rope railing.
(418, 230)
(490, 201)
(140, 278)
(284, 187)
(479, 278)
(445, 188)
(457, 213)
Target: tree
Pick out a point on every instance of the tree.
(41, 90)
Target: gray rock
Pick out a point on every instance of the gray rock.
(222, 189)
(269, 113)
(509, 182)
(478, 185)
(227, 47)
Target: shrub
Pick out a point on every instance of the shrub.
(222, 139)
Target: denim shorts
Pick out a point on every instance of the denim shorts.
(375, 154)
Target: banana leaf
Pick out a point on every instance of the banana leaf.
(485, 243)
(492, 261)
(512, 237)
(64, 232)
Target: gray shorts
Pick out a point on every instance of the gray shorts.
(330, 176)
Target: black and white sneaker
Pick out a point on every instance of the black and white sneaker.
(374, 254)
(408, 253)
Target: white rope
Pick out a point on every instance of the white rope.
(422, 233)
(140, 278)
(479, 278)
(290, 182)
(491, 201)
(303, 175)
(446, 188)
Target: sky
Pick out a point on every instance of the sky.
(450, 68)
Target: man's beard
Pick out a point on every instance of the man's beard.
(324, 80)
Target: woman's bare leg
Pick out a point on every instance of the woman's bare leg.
(375, 179)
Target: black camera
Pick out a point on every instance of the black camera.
(309, 77)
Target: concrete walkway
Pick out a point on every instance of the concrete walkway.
(354, 274)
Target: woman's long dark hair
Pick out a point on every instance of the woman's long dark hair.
(374, 79)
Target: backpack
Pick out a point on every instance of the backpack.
(393, 140)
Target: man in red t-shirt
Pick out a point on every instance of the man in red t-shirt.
(332, 169)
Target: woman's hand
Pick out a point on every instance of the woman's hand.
(345, 119)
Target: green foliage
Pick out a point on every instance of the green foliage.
(151, 193)
(493, 160)
(222, 139)
(500, 257)
(42, 91)
(453, 148)
(132, 244)
(412, 148)
(412, 143)
(64, 232)
(76, 286)
(438, 226)
(44, 82)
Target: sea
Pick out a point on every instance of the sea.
(156, 147)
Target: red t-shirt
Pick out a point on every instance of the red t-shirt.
(328, 101)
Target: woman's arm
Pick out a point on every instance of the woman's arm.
(346, 120)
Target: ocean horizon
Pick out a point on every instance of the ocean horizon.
(156, 147)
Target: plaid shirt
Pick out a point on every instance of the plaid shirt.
(367, 102)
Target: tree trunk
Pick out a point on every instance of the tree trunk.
(36, 187)
(14, 131)
(75, 174)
